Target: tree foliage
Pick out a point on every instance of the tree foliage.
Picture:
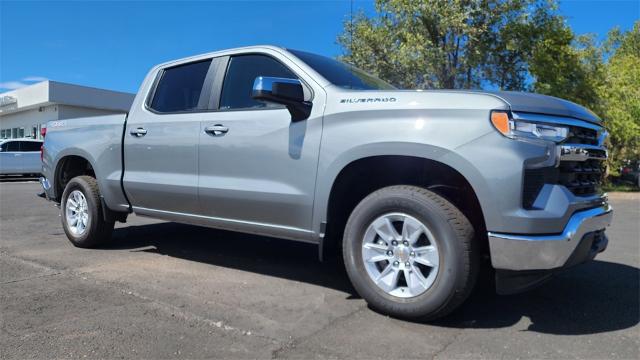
(451, 43)
(521, 45)
(569, 68)
(619, 95)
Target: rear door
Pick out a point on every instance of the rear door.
(11, 158)
(161, 141)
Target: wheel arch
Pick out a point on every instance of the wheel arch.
(73, 164)
(69, 165)
(349, 179)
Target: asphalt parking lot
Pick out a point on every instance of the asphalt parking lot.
(165, 290)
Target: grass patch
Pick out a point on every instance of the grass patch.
(621, 187)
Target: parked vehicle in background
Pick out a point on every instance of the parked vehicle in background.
(20, 157)
(631, 172)
(417, 188)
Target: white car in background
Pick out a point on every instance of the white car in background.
(20, 156)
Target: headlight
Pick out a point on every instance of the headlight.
(515, 129)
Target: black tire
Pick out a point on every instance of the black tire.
(97, 231)
(453, 234)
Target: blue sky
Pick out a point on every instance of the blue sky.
(113, 44)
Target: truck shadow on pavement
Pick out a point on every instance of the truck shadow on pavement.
(592, 298)
(263, 255)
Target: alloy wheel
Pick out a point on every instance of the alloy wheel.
(400, 255)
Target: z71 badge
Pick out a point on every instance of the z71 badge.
(57, 124)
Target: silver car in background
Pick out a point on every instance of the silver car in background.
(20, 156)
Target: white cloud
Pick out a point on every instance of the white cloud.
(34, 79)
(12, 85)
(29, 80)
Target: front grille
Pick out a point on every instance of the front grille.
(582, 178)
(580, 135)
(534, 180)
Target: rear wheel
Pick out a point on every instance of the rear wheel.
(82, 217)
(409, 253)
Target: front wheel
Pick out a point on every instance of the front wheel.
(409, 253)
(82, 217)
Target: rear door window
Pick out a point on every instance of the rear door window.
(180, 87)
(30, 146)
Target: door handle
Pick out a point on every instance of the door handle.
(216, 130)
(139, 132)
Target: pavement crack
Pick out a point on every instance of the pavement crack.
(444, 347)
(28, 262)
(30, 278)
(275, 354)
(190, 316)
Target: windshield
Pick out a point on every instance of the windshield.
(341, 74)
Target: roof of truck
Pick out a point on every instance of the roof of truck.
(223, 52)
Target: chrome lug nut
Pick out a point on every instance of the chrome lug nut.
(394, 243)
(413, 253)
(390, 253)
(405, 243)
(407, 264)
(395, 263)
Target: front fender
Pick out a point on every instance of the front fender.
(329, 173)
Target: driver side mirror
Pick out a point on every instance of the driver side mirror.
(287, 92)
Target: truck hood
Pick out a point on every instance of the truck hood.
(516, 101)
(543, 104)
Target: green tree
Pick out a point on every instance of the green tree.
(620, 95)
(568, 67)
(453, 43)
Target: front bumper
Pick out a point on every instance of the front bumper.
(582, 238)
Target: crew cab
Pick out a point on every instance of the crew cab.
(416, 189)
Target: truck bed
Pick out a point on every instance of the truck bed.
(99, 140)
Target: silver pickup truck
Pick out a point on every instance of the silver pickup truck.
(417, 189)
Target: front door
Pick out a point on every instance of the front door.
(257, 167)
(11, 158)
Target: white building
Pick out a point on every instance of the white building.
(23, 112)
